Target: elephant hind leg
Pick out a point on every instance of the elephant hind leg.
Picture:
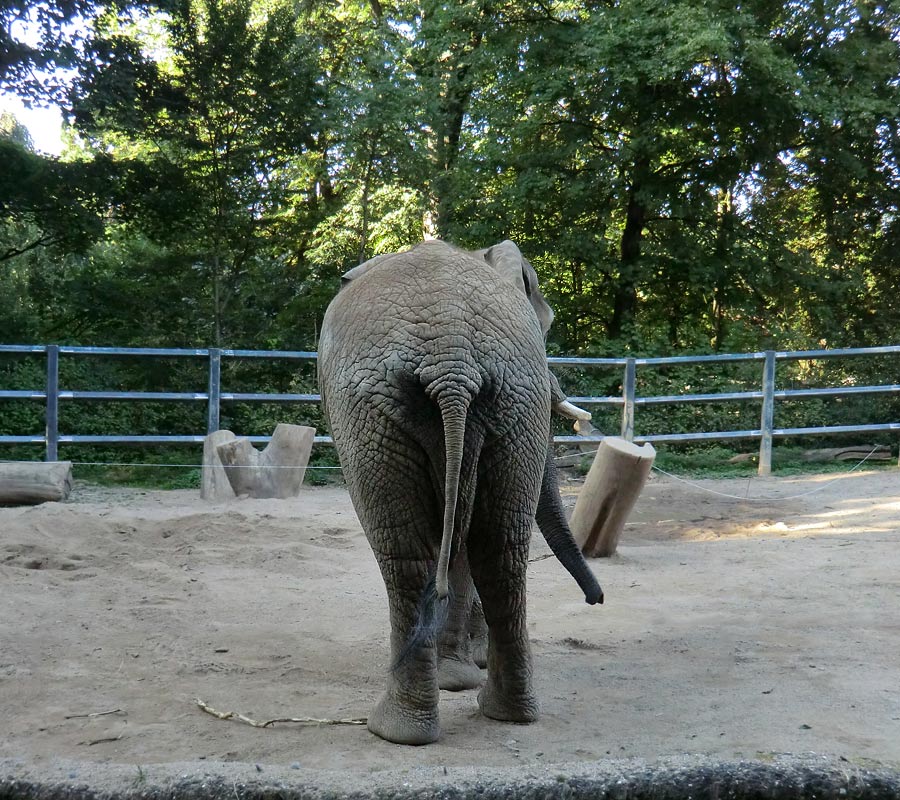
(498, 550)
(407, 712)
(457, 669)
(398, 509)
(478, 633)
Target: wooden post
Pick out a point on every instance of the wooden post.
(215, 390)
(629, 384)
(610, 491)
(767, 419)
(27, 483)
(277, 471)
(214, 484)
(51, 416)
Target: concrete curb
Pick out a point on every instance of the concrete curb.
(684, 778)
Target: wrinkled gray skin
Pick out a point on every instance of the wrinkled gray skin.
(435, 384)
(462, 647)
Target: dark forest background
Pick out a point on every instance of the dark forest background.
(687, 176)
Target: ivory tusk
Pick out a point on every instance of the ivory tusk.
(567, 409)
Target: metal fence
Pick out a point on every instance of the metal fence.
(767, 395)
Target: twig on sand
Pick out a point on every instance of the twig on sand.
(94, 714)
(106, 739)
(269, 722)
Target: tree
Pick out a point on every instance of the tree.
(208, 113)
(39, 41)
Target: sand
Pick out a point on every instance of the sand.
(733, 629)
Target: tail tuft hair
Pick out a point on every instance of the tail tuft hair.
(431, 617)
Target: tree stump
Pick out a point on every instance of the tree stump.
(277, 471)
(27, 483)
(214, 483)
(612, 487)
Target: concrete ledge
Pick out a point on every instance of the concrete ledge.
(785, 777)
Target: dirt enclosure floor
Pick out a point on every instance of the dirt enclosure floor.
(735, 629)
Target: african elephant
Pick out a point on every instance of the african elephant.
(435, 384)
(462, 645)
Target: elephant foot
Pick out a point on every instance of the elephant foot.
(521, 706)
(456, 675)
(402, 724)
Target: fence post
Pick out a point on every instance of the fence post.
(768, 415)
(628, 393)
(215, 389)
(51, 414)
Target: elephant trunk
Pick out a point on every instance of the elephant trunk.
(551, 519)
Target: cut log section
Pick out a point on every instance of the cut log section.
(612, 487)
(214, 483)
(869, 452)
(277, 471)
(27, 483)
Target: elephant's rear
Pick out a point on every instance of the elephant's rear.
(434, 381)
(427, 336)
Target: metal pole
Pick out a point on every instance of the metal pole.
(215, 389)
(51, 415)
(628, 394)
(768, 415)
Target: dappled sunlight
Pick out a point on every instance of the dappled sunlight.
(844, 512)
(855, 504)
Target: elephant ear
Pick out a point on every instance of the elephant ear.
(362, 269)
(508, 260)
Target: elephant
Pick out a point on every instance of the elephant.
(435, 385)
(462, 645)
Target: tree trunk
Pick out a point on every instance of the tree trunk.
(217, 301)
(625, 295)
(366, 188)
(277, 471)
(456, 94)
(214, 483)
(27, 483)
(724, 237)
(612, 487)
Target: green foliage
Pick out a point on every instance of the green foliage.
(715, 461)
(686, 176)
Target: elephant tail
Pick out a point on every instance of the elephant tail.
(434, 605)
(431, 617)
(454, 408)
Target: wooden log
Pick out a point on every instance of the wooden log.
(277, 471)
(849, 453)
(27, 483)
(214, 483)
(610, 490)
(241, 466)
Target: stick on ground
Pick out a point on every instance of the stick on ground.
(94, 714)
(298, 720)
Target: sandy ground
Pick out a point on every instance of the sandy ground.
(733, 628)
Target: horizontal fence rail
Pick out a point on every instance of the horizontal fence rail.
(51, 395)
